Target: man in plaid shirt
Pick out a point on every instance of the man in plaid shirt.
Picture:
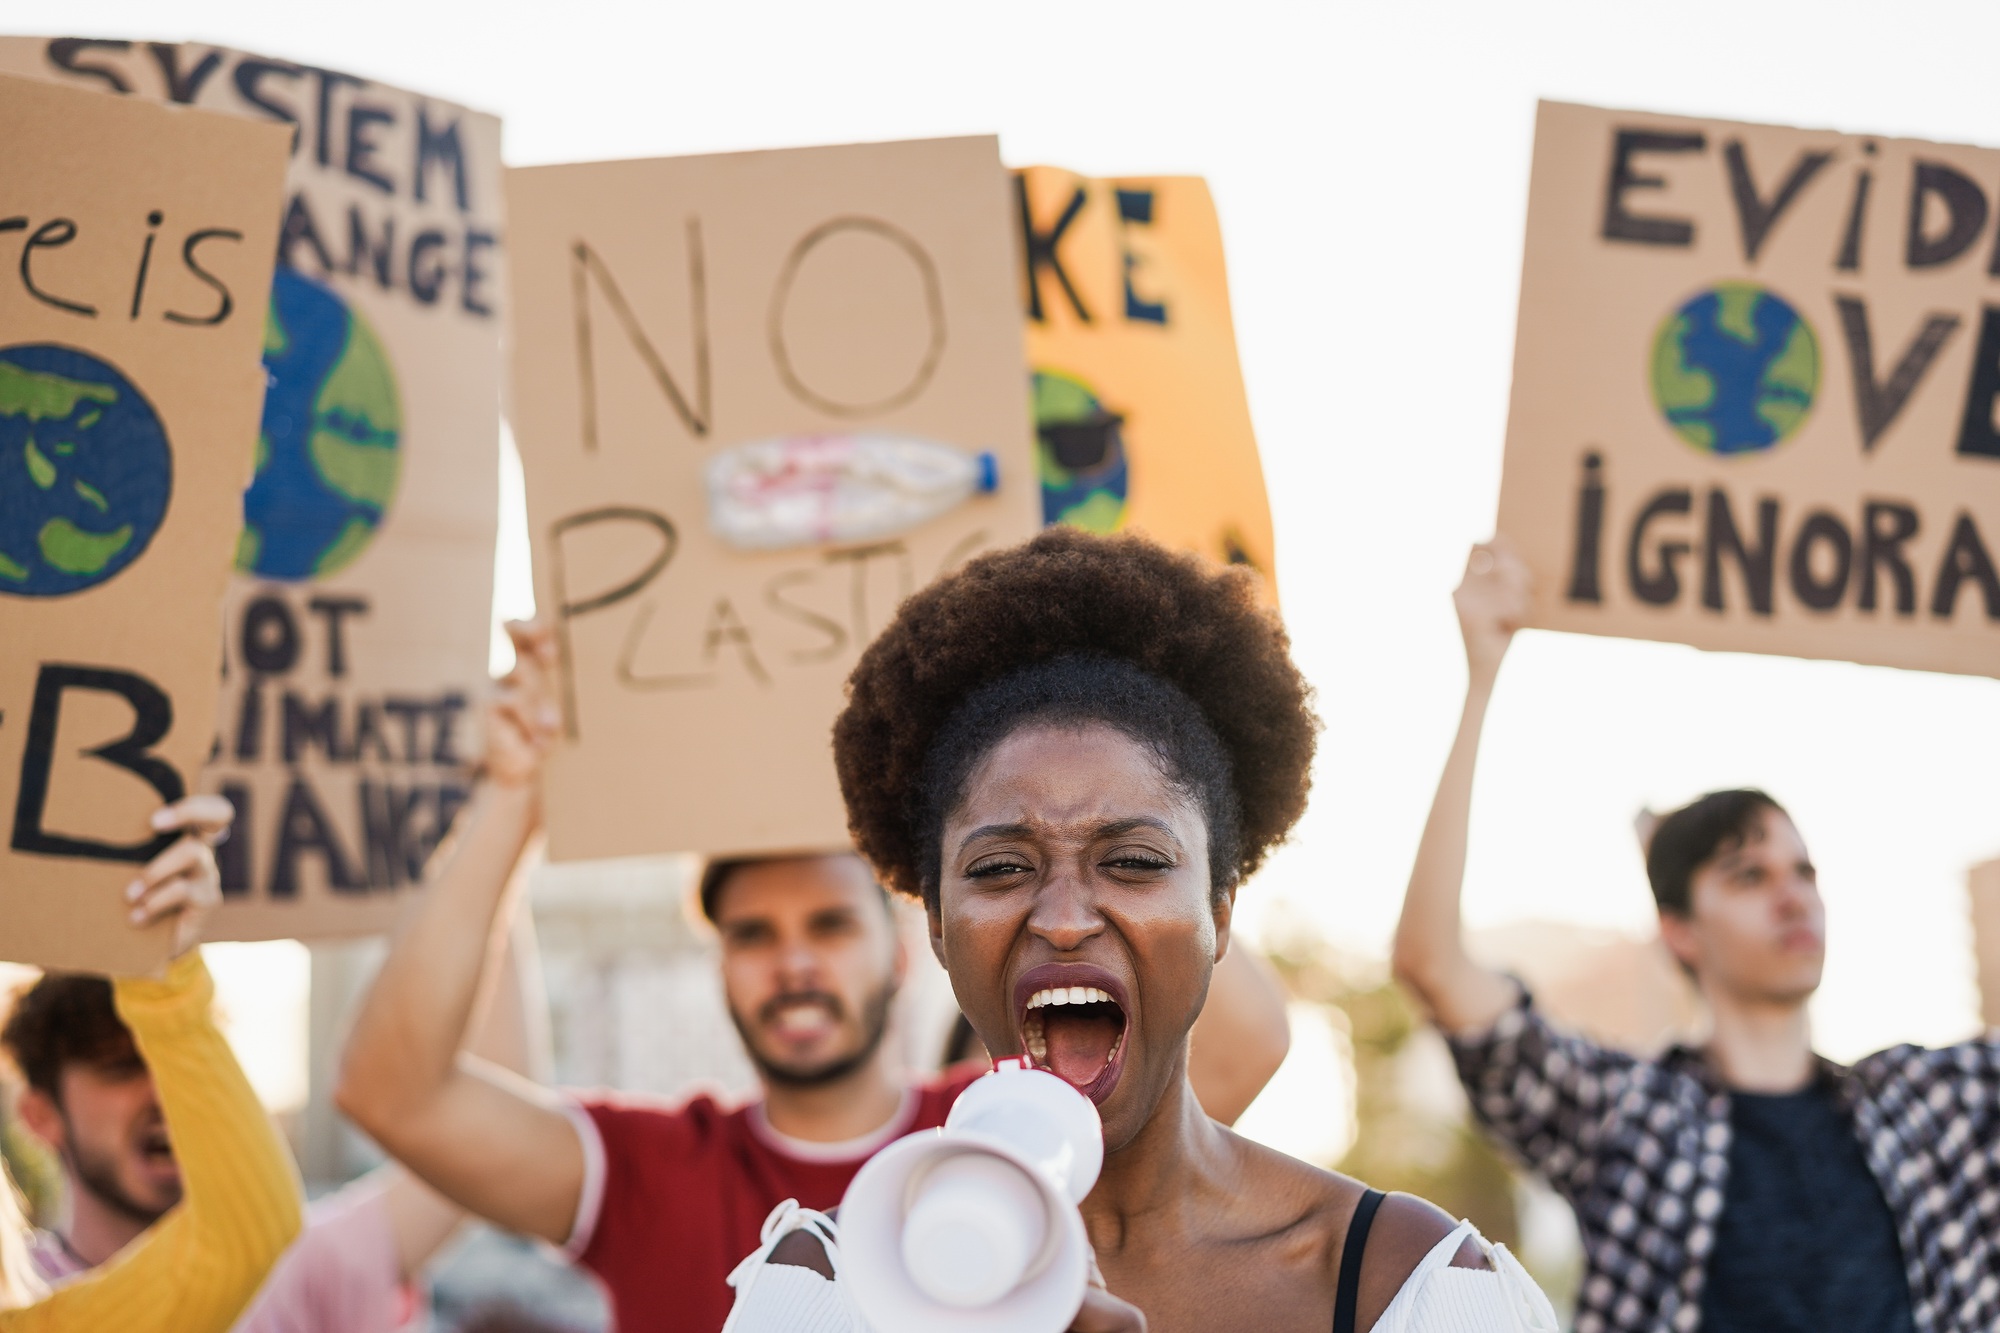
(1748, 1185)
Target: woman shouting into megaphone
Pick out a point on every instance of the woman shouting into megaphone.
(1074, 752)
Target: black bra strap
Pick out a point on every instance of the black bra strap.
(1349, 1291)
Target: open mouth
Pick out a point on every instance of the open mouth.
(1075, 1029)
(155, 1148)
(801, 1017)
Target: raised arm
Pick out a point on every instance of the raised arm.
(1242, 1035)
(1430, 955)
(195, 1271)
(511, 1036)
(490, 1141)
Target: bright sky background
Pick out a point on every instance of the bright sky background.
(1370, 162)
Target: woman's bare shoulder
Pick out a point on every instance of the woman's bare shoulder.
(1405, 1229)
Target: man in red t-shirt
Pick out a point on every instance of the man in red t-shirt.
(662, 1200)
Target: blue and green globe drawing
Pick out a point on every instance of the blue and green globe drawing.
(1080, 454)
(1735, 369)
(329, 451)
(85, 471)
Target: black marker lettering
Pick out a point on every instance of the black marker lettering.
(585, 267)
(569, 609)
(300, 227)
(153, 220)
(1884, 529)
(48, 236)
(335, 611)
(67, 53)
(440, 146)
(1620, 223)
(152, 718)
(1877, 405)
(426, 274)
(1756, 564)
(1585, 560)
(1660, 585)
(226, 302)
(1965, 215)
(183, 88)
(1821, 529)
(1966, 558)
(379, 255)
(1039, 251)
(362, 144)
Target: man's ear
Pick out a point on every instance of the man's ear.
(43, 1117)
(1678, 934)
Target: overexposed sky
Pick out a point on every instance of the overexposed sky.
(1370, 162)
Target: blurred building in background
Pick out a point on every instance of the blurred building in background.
(1982, 884)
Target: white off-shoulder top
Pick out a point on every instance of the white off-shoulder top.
(1436, 1298)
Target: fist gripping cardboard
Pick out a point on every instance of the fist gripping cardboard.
(138, 242)
(1757, 389)
(357, 627)
(1140, 415)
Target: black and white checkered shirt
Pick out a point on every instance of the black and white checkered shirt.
(1640, 1148)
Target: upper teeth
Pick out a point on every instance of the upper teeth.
(1068, 995)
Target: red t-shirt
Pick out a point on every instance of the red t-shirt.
(685, 1190)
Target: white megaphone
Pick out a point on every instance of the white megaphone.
(975, 1226)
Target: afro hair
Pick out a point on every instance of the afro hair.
(1070, 594)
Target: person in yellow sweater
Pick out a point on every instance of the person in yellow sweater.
(241, 1203)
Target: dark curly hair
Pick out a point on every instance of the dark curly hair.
(62, 1018)
(1069, 626)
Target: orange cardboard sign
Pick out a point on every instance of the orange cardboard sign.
(1140, 415)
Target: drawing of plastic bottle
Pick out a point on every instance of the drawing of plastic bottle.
(805, 490)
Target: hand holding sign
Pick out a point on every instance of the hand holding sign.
(1492, 601)
(182, 884)
(523, 720)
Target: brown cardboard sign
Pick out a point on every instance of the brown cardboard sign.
(138, 242)
(1141, 420)
(1755, 390)
(760, 398)
(358, 627)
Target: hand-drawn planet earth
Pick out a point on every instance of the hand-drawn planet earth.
(1080, 455)
(1735, 369)
(85, 470)
(329, 449)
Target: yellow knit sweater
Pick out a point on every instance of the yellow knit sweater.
(198, 1269)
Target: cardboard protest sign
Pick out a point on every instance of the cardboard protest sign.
(1140, 416)
(359, 625)
(760, 398)
(138, 243)
(1755, 390)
